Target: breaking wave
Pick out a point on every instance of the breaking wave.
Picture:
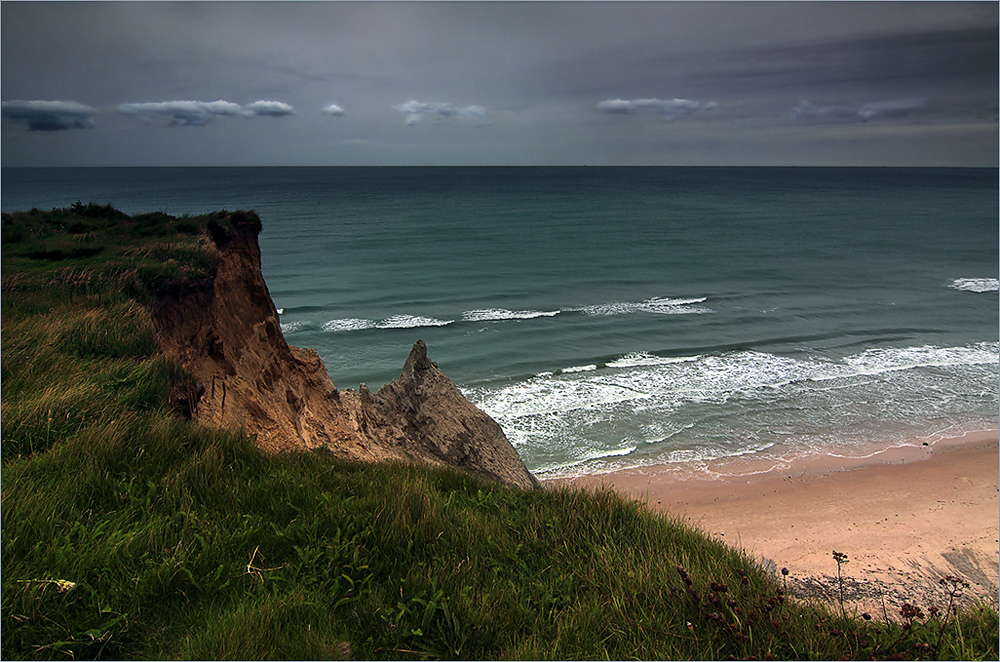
(635, 359)
(349, 324)
(393, 322)
(656, 305)
(976, 284)
(502, 314)
(292, 327)
(590, 367)
(410, 322)
(739, 402)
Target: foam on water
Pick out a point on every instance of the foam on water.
(410, 322)
(714, 406)
(292, 327)
(879, 360)
(348, 324)
(710, 453)
(502, 314)
(634, 359)
(590, 367)
(393, 322)
(976, 284)
(656, 305)
(589, 456)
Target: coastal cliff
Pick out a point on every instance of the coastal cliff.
(224, 330)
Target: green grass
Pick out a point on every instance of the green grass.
(129, 532)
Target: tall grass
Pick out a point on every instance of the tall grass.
(128, 532)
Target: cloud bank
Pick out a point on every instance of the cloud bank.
(199, 113)
(415, 110)
(268, 109)
(670, 109)
(893, 109)
(49, 115)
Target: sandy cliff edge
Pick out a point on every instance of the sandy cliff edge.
(225, 331)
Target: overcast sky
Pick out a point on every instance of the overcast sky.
(499, 83)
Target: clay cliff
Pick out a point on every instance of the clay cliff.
(224, 329)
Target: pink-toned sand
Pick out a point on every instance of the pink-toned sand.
(905, 517)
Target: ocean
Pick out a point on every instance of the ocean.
(623, 317)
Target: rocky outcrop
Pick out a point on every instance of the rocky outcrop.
(225, 331)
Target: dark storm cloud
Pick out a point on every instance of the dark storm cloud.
(853, 69)
(199, 113)
(924, 60)
(556, 82)
(892, 109)
(50, 115)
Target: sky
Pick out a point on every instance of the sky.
(499, 83)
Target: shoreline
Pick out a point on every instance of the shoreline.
(906, 517)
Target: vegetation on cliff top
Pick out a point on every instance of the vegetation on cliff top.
(131, 532)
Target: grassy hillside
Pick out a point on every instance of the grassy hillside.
(131, 532)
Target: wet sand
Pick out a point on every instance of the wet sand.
(905, 517)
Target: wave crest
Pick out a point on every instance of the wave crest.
(410, 322)
(979, 285)
(501, 314)
(292, 327)
(349, 324)
(637, 359)
(656, 305)
(735, 402)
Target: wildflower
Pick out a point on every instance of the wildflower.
(840, 557)
(64, 585)
(866, 616)
(784, 571)
(954, 581)
(719, 588)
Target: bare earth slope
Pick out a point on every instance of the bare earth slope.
(225, 331)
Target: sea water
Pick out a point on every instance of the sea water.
(617, 317)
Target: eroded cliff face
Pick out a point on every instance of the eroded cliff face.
(225, 331)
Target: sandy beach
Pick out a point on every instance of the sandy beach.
(905, 517)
